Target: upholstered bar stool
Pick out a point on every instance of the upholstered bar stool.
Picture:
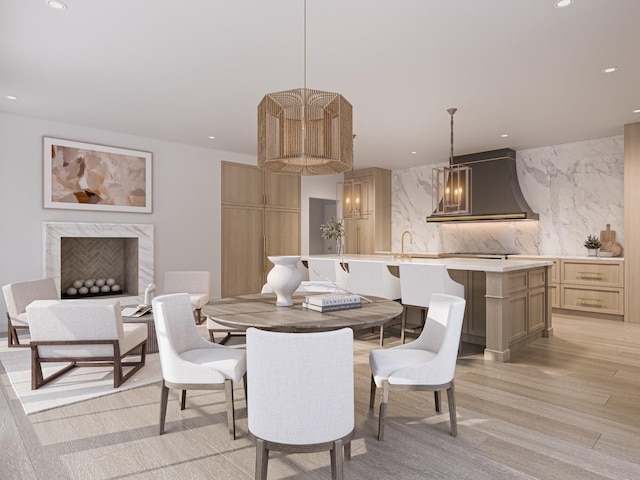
(375, 279)
(418, 282)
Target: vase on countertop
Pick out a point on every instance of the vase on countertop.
(284, 278)
(592, 252)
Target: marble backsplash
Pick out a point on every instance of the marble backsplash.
(576, 188)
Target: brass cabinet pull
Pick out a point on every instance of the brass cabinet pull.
(591, 275)
(264, 253)
(590, 300)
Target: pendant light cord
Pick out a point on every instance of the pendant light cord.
(305, 44)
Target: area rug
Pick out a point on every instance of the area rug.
(77, 385)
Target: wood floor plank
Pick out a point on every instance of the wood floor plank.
(566, 407)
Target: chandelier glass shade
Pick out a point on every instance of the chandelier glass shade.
(305, 132)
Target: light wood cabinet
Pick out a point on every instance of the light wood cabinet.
(366, 236)
(554, 278)
(474, 326)
(593, 286)
(526, 304)
(260, 218)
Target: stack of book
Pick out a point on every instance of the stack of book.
(331, 302)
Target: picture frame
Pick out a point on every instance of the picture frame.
(87, 176)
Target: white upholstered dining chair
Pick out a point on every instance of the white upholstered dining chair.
(196, 283)
(301, 394)
(188, 361)
(418, 282)
(17, 296)
(427, 363)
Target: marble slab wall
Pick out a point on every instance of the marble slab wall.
(53, 233)
(576, 188)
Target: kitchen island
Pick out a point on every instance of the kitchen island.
(512, 295)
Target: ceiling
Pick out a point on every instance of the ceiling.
(184, 71)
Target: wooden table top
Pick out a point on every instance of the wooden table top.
(259, 310)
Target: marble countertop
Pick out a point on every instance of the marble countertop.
(468, 264)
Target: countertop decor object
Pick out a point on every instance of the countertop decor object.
(284, 278)
(334, 230)
(592, 243)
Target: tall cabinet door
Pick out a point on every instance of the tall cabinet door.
(242, 250)
(260, 217)
(282, 233)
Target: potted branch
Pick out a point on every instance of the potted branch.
(334, 230)
(593, 244)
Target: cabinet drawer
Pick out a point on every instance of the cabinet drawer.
(583, 272)
(603, 300)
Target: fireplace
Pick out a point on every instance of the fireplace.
(89, 260)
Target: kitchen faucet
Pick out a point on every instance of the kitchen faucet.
(402, 243)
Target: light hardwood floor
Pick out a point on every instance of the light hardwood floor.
(567, 407)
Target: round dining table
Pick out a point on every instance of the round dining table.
(259, 310)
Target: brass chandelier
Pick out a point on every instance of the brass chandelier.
(305, 131)
(451, 185)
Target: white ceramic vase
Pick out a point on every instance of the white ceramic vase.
(284, 278)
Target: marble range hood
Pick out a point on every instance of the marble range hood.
(495, 191)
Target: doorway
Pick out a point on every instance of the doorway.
(320, 211)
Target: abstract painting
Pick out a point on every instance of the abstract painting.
(85, 176)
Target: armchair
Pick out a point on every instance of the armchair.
(85, 333)
(17, 296)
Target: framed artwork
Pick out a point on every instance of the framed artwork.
(84, 176)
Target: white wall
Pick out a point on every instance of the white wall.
(186, 200)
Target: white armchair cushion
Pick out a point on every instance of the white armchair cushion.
(20, 320)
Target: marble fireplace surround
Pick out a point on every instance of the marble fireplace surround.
(54, 232)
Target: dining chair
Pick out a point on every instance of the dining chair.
(301, 397)
(428, 363)
(196, 283)
(17, 296)
(375, 279)
(188, 361)
(83, 333)
(418, 282)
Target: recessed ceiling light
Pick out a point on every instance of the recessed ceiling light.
(56, 4)
(12, 97)
(562, 3)
(211, 137)
(637, 110)
(610, 70)
(413, 153)
(504, 135)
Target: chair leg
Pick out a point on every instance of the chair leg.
(403, 324)
(337, 470)
(438, 401)
(451, 398)
(372, 394)
(231, 420)
(164, 398)
(383, 409)
(246, 389)
(183, 400)
(262, 459)
(347, 451)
